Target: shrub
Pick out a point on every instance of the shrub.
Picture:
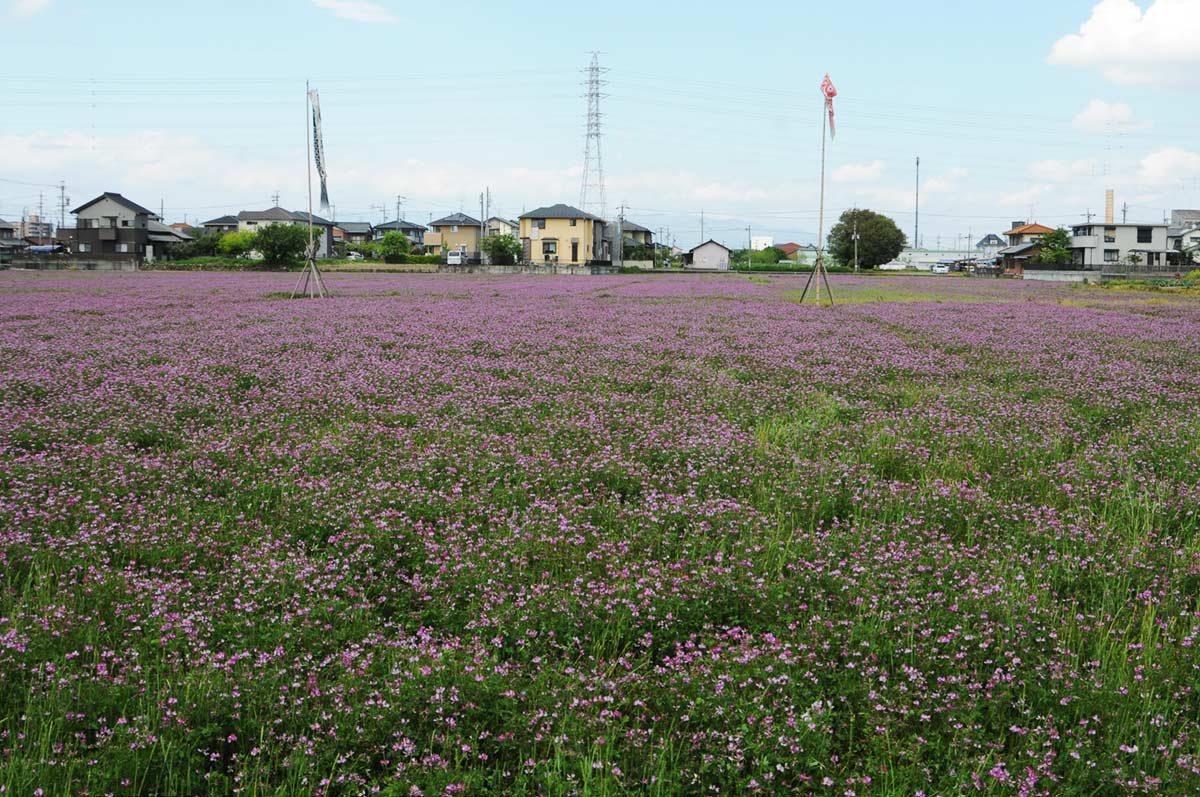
(236, 244)
(282, 245)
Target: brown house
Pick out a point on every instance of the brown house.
(1024, 246)
(114, 227)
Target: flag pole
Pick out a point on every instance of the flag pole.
(820, 267)
(819, 274)
(310, 265)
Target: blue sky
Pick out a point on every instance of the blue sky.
(1014, 108)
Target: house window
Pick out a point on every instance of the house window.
(549, 248)
(1110, 235)
(111, 221)
(1111, 255)
(539, 223)
(1145, 235)
(123, 248)
(125, 222)
(454, 228)
(573, 222)
(85, 248)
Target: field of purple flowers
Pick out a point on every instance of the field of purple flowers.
(596, 536)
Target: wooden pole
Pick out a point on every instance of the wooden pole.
(820, 266)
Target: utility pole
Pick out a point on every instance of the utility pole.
(856, 240)
(917, 209)
(702, 238)
(1089, 215)
(275, 199)
(161, 208)
(620, 242)
(62, 204)
(1124, 212)
(41, 214)
(481, 225)
(749, 247)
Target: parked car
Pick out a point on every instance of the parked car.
(355, 256)
(456, 257)
(941, 268)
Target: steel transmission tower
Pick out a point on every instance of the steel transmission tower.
(591, 195)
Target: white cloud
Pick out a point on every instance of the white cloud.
(945, 182)
(1022, 198)
(357, 10)
(1102, 117)
(28, 8)
(1170, 165)
(858, 172)
(1058, 171)
(1130, 46)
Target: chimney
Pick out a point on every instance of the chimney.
(1109, 207)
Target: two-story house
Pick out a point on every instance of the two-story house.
(222, 226)
(111, 225)
(354, 232)
(456, 232)
(1024, 245)
(1094, 246)
(414, 232)
(497, 225)
(255, 220)
(564, 234)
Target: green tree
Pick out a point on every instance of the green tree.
(1056, 248)
(283, 244)
(502, 249)
(206, 244)
(771, 255)
(236, 244)
(394, 246)
(879, 239)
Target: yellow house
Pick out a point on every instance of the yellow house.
(564, 235)
(457, 231)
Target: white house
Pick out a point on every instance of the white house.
(500, 226)
(1095, 245)
(255, 220)
(708, 256)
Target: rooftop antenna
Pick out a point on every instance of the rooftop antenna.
(591, 194)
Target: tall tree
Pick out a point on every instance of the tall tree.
(879, 239)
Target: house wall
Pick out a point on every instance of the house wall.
(324, 235)
(500, 227)
(107, 208)
(1089, 250)
(466, 238)
(109, 228)
(711, 257)
(582, 232)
